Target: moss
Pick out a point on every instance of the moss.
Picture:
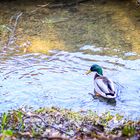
(128, 130)
(119, 117)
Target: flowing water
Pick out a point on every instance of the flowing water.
(58, 78)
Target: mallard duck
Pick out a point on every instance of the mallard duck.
(103, 85)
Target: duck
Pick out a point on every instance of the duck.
(103, 86)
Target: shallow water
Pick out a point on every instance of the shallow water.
(57, 78)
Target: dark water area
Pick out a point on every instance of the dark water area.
(109, 38)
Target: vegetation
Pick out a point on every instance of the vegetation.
(56, 123)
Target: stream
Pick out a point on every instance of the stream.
(57, 78)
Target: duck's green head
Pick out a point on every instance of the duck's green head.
(95, 68)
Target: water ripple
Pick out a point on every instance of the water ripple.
(59, 80)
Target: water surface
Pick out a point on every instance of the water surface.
(59, 79)
(64, 43)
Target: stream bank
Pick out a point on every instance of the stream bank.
(62, 124)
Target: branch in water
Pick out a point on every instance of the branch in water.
(11, 38)
(46, 124)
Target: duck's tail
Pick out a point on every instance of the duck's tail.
(111, 94)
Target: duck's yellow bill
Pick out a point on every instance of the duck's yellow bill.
(89, 71)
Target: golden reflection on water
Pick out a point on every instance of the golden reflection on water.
(127, 21)
(43, 45)
(114, 25)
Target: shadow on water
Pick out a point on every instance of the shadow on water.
(102, 99)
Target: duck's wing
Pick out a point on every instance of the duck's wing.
(105, 85)
(109, 84)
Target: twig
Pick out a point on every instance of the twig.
(40, 6)
(46, 124)
(60, 5)
(118, 84)
(13, 31)
(55, 138)
(58, 21)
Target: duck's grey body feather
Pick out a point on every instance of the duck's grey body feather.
(104, 86)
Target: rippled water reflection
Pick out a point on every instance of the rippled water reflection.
(58, 79)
